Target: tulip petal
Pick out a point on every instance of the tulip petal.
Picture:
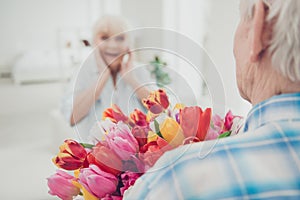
(105, 159)
(100, 186)
(204, 123)
(171, 132)
(86, 195)
(60, 184)
(156, 102)
(138, 118)
(195, 122)
(114, 114)
(97, 170)
(66, 161)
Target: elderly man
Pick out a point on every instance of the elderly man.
(264, 161)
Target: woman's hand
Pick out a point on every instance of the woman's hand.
(128, 75)
(126, 72)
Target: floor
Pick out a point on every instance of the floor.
(30, 136)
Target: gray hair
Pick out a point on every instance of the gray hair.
(285, 42)
(111, 24)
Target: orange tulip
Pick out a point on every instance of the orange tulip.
(115, 114)
(157, 101)
(71, 156)
(194, 122)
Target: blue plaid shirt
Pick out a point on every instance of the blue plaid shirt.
(261, 163)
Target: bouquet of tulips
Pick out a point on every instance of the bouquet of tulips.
(127, 146)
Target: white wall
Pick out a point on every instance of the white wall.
(188, 18)
(34, 24)
(222, 23)
(142, 12)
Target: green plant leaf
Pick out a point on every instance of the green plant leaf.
(162, 78)
(157, 131)
(226, 134)
(85, 145)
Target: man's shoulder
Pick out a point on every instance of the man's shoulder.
(227, 167)
(209, 153)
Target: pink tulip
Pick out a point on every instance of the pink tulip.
(112, 197)
(128, 179)
(220, 126)
(228, 120)
(60, 184)
(217, 123)
(212, 134)
(97, 182)
(216, 128)
(105, 158)
(121, 141)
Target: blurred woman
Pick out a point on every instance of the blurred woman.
(106, 77)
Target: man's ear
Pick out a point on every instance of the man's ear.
(257, 31)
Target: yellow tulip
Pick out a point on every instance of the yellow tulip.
(86, 194)
(178, 106)
(171, 132)
(152, 136)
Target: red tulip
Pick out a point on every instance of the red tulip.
(140, 134)
(105, 159)
(157, 101)
(137, 117)
(115, 114)
(153, 150)
(72, 156)
(194, 122)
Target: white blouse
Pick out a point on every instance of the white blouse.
(123, 95)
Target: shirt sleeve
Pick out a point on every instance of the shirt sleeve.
(66, 103)
(81, 80)
(193, 171)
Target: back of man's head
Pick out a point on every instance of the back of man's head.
(284, 44)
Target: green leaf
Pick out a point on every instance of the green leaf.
(157, 131)
(85, 145)
(162, 78)
(159, 84)
(157, 59)
(226, 134)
